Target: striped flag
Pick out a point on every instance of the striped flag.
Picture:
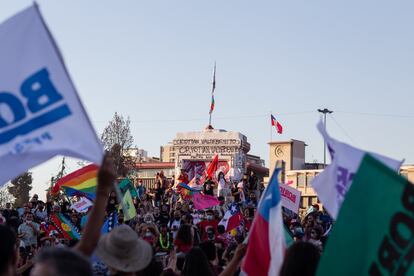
(213, 89)
(64, 226)
(266, 246)
(81, 182)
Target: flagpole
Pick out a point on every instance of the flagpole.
(213, 87)
(271, 130)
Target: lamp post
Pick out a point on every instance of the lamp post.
(324, 112)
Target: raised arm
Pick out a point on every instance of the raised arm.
(234, 264)
(90, 237)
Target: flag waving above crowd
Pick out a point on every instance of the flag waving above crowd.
(276, 124)
(81, 182)
(267, 242)
(382, 231)
(332, 184)
(43, 114)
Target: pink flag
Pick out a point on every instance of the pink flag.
(202, 201)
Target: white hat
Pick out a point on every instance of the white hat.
(123, 250)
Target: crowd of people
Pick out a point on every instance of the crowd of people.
(168, 236)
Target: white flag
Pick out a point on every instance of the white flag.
(41, 114)
(82, 205)
(332, 184)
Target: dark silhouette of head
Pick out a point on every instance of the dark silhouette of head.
(196, 263)
(301, 258)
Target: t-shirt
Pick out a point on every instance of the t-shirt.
(205, 225)
(174, 225)
(41, 214)
(158, 194)
(164, 217)
(221, 184)
(29, 238)
(236, 196)
(252, 183)
(111, 206)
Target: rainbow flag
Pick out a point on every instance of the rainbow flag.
(81, 182)
(64, 226)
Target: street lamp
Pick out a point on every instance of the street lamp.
(324, 112)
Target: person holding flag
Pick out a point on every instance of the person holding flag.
(266, 244)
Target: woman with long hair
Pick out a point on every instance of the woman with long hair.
(222, 185)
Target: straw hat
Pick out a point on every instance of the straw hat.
(122, 250)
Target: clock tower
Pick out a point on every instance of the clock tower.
(291, 152)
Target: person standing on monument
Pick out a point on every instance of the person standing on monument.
(222, 189)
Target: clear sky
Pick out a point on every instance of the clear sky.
(153, 60)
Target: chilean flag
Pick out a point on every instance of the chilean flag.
(232, 218)
(266, 246)
(276, 124)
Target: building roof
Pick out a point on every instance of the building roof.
(257, 168)
(156, 165)
(287, 141)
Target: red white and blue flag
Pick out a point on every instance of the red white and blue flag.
(276, 124)
(266, 245)
(232, 218)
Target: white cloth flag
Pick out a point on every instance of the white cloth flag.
(332, 184)
(41, 114)
(82, 205)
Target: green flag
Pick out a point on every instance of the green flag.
(125, 185)
(374, 233)
(288, 237)
(129, 210)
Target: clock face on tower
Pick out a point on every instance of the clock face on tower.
(279, 152)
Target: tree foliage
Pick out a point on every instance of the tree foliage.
(117, 139)
(5, 197)
(20, 188)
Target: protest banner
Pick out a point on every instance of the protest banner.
(42, 115)
(374, 233)
(290, 197)
(334, 181)
(82, 205)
